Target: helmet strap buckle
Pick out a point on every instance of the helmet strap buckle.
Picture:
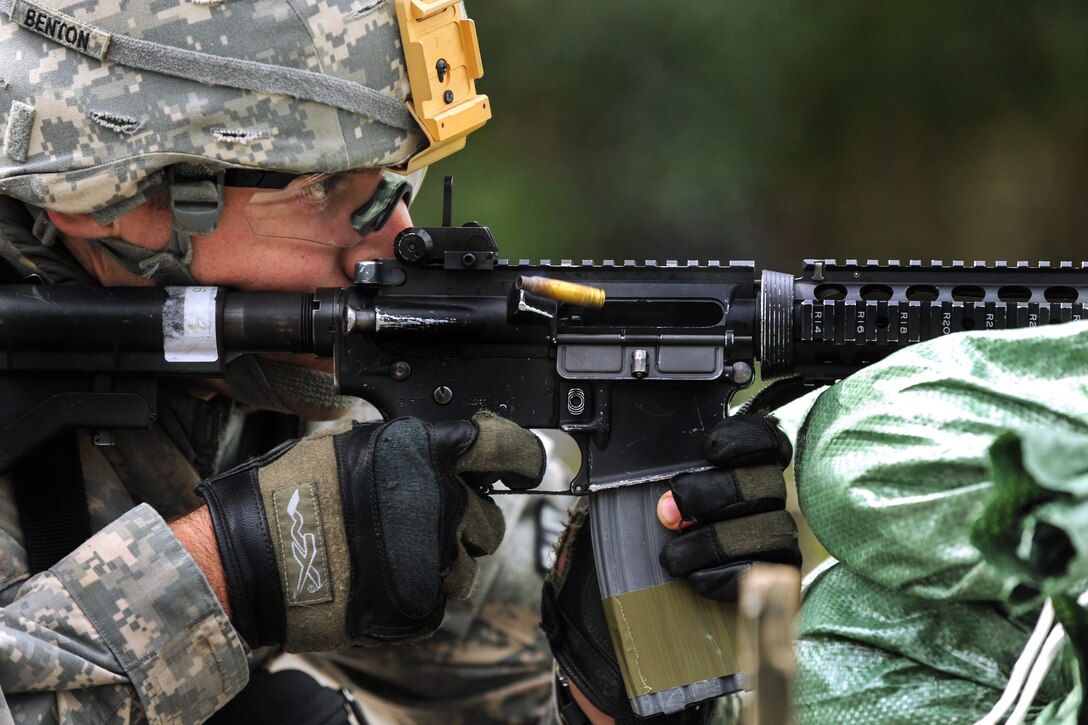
(196, 199)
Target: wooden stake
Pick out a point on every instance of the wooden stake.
(769, 601)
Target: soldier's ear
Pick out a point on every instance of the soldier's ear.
(78, 225)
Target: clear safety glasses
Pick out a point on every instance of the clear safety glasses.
(332, 209)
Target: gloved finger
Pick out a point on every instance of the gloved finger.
(503, 449)
(747, 440)
(479, 533)
(462, 577)
(482, 527)
(763, 537)
(721, 583)
(717, 494)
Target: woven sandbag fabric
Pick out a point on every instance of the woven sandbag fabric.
(868, 654)
(1035, 529)
(893, 468)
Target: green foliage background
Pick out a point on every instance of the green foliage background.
(777, 130)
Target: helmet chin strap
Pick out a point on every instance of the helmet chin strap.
(196, 203)
(169, 266)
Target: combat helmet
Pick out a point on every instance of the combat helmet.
(99, 100)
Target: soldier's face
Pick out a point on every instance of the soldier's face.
(234, 255)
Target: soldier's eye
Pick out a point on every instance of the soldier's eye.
(314, 192)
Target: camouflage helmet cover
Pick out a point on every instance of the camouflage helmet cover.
(103, 95)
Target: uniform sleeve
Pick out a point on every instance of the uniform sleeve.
(124, 627)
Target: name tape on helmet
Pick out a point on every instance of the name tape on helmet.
(61, 28)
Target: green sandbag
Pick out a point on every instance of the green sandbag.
(894, 467)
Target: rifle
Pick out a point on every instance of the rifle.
(447, 328)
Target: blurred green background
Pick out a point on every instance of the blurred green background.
(778, 130)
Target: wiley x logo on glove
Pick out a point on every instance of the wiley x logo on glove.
(306, 567)
(359, 535)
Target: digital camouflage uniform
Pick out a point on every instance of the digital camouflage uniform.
(123, 628)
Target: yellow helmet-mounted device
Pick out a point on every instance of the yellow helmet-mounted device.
(442, 55)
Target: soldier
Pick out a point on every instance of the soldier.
(243, 145)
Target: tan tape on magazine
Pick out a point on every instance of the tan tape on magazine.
(657, 652)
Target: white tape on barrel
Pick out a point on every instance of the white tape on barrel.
(188, 325)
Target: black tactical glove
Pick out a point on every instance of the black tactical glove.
(737, 509)
(359, 535)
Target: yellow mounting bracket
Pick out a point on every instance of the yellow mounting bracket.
(442, 55)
